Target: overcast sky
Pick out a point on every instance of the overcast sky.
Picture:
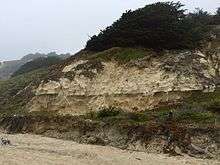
(29, 26)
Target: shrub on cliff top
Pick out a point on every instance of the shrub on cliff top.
(163, 25)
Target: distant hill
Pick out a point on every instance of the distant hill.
(7, 68)
(41, 62)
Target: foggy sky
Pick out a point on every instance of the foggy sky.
(29, 26)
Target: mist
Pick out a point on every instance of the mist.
(29, 26)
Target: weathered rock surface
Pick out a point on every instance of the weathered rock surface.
(138, 85)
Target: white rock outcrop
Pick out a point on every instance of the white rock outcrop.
(131, 88)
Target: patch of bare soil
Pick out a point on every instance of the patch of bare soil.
(26, 149)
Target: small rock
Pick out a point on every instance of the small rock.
(177, 150)
(4, 142)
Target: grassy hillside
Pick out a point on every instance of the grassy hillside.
(7, 68)
(17, 91)
(41, 62)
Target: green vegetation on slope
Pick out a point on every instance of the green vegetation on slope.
(17, 91)
(199, 109)
(121, 55)
(94, 60)
(41, 62)
(189, 116)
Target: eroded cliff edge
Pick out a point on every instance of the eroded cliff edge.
(96, 80)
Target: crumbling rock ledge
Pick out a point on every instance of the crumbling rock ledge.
(89, 84)
(169, 138)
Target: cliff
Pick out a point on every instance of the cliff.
(95, 80)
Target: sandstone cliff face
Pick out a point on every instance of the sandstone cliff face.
(87, 84)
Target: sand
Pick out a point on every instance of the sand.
(29, 149)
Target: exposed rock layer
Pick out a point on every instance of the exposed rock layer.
(90, 83)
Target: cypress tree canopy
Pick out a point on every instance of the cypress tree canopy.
(163, 25)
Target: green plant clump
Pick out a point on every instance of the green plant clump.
(108, 112)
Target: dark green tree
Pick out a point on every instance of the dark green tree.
(163, 25)
(216, 19)
(218, 11)
(201, 16)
